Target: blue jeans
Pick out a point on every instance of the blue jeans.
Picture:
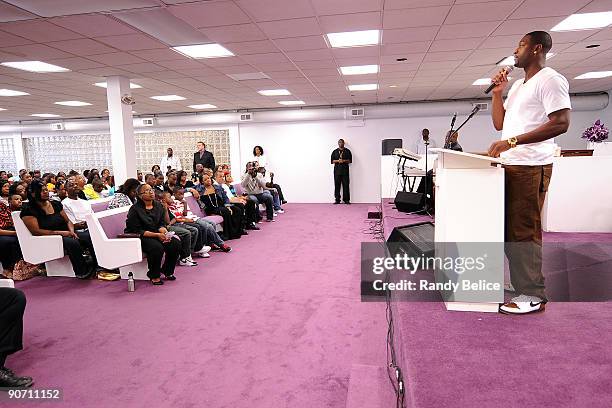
(267, 200)
(275, 198)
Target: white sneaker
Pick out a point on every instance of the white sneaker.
(205, 250)
(281, 211)
(508, 287)
(187, 262)
(203, 255)
(523, 304)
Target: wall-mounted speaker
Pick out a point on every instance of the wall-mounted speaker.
(388, 145)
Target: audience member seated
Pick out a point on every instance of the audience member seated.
(159, 182)
(171, 180)
(216, 202)
(146, 218)
(49, 180)
(107, 180)
(248, 207)
(10, 251)
(19, 187)
(44, 217)
(60, 191)
(264, 168)
(155, 169)
(5, 186)
(207, 228)
(12, 307)
(126, 195)
(93, 191)
(139, 176)
(150, 180)
(255, 187)
(82, 182)
(191, 239)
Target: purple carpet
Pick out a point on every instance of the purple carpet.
(277, 322)
(560, 358)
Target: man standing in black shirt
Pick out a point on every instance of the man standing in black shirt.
(203, 157)
(341, 158)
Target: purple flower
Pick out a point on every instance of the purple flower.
(596, 133)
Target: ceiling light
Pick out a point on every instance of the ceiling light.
(274, 92)
(1, 109)
(204, 51)
(359, 70)
(510, 60)
(354, 38)
(584, 21)
(45, 115)
(10, 92)
(247, 76)
(392, 86)
(363, 87)
(595, 74)
(292, 103)
(103, 85)
(34, 66)
(73, 103)
(202, 106)
(167, 98)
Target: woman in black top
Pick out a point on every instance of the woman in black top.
(215, 202)
(146, 218)
(44, 217)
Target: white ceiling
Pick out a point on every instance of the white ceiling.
(447, 43)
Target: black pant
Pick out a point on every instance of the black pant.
(74, 250)
(342, 180)
(232, 221)
(278, 188)
(10, 251)
(12, 306)
(155, 250)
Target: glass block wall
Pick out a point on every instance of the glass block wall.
(63, 152)
(7, 156)
(151, 147)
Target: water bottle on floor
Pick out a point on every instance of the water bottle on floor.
(131, 283)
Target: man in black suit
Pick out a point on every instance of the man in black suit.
(203, 157)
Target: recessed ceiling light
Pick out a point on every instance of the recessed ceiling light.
(73, 103)
(274, 92)
(359, 70)
(45, 115)
(594, 74)
(34, 66)
(202, 106)
(363, 87)
(510, 60)
(354, 38)
(1, 109)
(167, 98)
(392, 86)
(592, 46)
(584, 21)
(292, 102)
(204, 51)
(10, 92)
(103, 85)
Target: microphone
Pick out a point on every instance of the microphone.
(507, 70)
(453, 121)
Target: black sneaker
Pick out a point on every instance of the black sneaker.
(8, 379)
(336, 202)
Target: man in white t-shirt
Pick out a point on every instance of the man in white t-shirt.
(170, 162)
(76, 210)
(536, 110)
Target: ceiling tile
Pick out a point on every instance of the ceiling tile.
(83, 47)
(350, 22)
(116, 58)
(271, 10)
(547, 8)
(39, 31)
(356, 52)
(131, 42)
(406, 48)
(68, 7)
(415, 17)
(471, 13)
(524, 26)
(467, 30)
(160, 54)
(94, 25)
(404, 4)
(312, 42)
(405, 35)
(251, 47)
(326, 7)
(9, 40)
(37, 52)
(455, 45)
(291, 28)
(265, 58)
(446, 56)
(310, 55)
(234, 33)
(75, 63)
(210, 14)
(12, 13)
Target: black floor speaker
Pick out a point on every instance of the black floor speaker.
(388, 145)
(414, 240)
(406, 201)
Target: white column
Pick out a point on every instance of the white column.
(19, 151)
(123, 146)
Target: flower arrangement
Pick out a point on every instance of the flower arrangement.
(596, 133)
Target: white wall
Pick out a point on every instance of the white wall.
(299, 153)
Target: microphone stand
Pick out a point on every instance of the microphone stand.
(474, 111)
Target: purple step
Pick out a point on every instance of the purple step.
(369, 387)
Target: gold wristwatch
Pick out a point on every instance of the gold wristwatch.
(512, 141)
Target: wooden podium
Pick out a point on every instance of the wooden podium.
(469, 193)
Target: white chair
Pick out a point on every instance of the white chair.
(47, 249)
(112, 252)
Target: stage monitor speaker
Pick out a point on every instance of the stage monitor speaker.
(388, 145)
(414, 240)
(406, 201)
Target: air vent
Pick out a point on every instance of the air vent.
(354, 113)
(57, 126)
(246, 117)
(148, 122)
(482, 106)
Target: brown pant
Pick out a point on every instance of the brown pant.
(526, 188)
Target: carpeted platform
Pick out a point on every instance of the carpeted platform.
(277, 322)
